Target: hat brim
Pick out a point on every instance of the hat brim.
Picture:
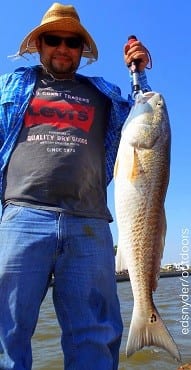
(28, 45)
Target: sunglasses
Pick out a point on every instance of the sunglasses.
(72, 42)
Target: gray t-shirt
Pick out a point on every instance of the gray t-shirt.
(58, 162)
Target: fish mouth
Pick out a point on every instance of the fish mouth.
(146, 97)
(150, 94)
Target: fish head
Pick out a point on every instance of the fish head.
(148, 121)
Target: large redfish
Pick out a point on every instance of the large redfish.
(141, 178)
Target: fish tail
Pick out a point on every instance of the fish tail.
(150, 331)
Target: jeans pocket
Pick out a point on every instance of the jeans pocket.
(9, 212)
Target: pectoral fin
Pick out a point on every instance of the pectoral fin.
(136, 169)
(128, 164)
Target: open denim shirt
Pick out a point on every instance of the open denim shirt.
(15, 93)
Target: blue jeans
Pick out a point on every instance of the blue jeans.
(78, 251)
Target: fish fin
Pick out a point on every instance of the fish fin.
(135, 169)
(150, 331)
(133, 164)
(129, 162)
(163, 233)
(115, 168)
(120, 259)
(159, 249)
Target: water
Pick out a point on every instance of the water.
(47, 352)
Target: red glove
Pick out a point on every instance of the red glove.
(136, 50)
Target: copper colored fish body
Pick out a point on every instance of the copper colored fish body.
(141, 178)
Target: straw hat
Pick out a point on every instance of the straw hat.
(60, 17)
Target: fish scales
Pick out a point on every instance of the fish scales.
(141, 177)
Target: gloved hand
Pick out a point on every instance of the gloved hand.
(136, 50)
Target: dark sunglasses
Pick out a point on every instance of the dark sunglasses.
(72, 42)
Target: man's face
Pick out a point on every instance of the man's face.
(61, 57)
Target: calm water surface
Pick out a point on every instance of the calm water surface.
(47, 354)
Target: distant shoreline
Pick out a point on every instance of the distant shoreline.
(124, 276)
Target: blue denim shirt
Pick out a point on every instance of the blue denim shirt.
(15, 93)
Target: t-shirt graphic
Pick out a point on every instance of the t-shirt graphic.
(59, 114)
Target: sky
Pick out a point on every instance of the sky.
(163, 27)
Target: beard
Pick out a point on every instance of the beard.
(60, 68)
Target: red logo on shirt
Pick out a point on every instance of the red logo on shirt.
(59, 114)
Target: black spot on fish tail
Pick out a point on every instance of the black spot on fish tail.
(153, 318)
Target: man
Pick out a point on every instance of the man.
(59, 134)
